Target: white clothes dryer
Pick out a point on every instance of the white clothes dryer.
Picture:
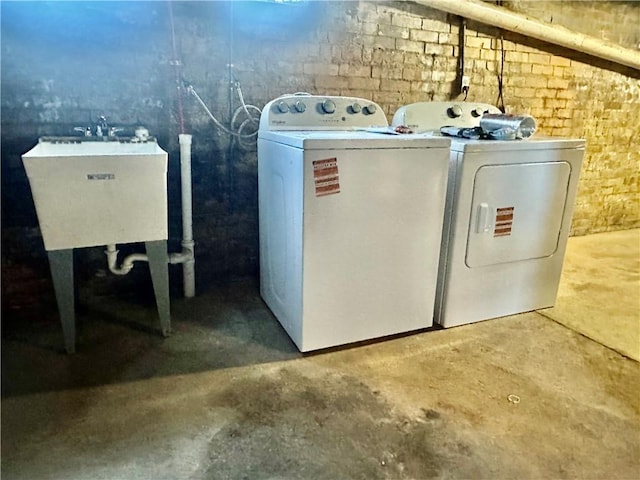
(507, 216)
(350, 220)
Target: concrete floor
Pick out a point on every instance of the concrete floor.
(602, 274)
(229, 397)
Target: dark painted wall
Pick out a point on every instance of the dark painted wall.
(66, 63)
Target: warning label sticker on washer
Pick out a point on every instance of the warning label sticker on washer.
(326, 177)
(504, 221)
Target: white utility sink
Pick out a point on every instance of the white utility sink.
(91, 192)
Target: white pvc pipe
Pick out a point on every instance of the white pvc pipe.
(188, 265)
(499, 17)
(127, 263)
(179, 257)
(186, 256)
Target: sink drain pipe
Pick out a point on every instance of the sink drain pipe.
(127, 263)
(186, 256)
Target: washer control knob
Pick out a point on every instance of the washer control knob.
(478, 112)
(356, 108)
(454, 111)
(300, 106)
(328, 106)
(282, 106)
(370, 109)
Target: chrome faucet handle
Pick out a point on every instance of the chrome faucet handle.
(85, 130)
(114, 130)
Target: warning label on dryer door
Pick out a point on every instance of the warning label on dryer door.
(326, 177)
(504, 221)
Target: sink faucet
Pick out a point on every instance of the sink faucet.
(102, 128)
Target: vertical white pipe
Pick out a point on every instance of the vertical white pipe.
(188, 267)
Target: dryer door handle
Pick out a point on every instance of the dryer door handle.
(483, 220)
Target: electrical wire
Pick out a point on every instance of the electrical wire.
(462, 36)
(177, 67)
(230, 156)
(246, 141)
(500, 99)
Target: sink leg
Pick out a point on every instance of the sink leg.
(61, 264)
(159, 268)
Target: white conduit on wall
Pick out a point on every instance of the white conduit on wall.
(499, 17)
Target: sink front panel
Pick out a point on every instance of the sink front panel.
(85, 197)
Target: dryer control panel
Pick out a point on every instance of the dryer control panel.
(429, 116)
(315, 112)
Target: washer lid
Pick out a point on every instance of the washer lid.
(345, 140)
(533, 143)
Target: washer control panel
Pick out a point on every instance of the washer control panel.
(428, 116)
(316, 112)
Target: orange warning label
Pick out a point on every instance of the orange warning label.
(326, 177)
(504, 221)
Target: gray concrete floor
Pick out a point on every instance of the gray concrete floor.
(229, 397)
(602, 275)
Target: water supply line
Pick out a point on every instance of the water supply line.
(187, 257)
(246, 141)
(252, 119)
(499, 17)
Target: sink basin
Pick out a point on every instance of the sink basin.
(91, 192)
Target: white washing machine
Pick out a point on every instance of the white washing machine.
(350, 220)
(507, 216)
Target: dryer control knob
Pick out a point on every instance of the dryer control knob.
(300, 106)
(328, 106)
(370, 109)
(356, 108)
(454, 111)
(282, 106)
(478, 111)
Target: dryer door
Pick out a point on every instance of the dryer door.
(517, 212)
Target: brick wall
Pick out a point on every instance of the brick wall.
(398, 53)
(597, 103)
(615, 23)
(65, 67)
